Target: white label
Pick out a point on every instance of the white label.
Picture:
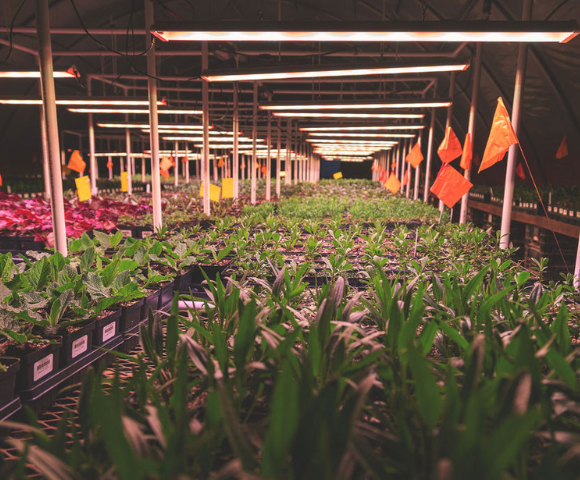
(146, 233)
(127, 233)
(79, 346)
(42, 367)
(109, 331)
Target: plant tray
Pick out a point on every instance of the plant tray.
(166, 295)
(151, 301)
(77, 344)
(131, 315)
(8, 380)
(38, 366)
(106, 328)
(212, 271)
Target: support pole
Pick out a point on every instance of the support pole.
(471, 125)
(268, 158)
(205, 155)
(279, 159)
(287, 163)
(176, 168)
(153, 120)
(236, 157)
(45, 160)
(129, 163)
(186, 163)
(254, 138)
(577, 267)
(508, 195)
(92, 158)
(51, 123)
(429, 158)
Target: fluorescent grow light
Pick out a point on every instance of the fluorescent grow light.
(347, 115)
(363, 135)
(362, 127)
(357, 104)
(180, 128)
(134, 111)
(369, 31)
(321, 71)
(34, 75)
(73, 101)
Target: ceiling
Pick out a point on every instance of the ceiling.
(114, 51)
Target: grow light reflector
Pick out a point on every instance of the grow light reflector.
(363, 135)
(347, 115)
(80, 102)
(321, 71)
(34, 75)
(180, 128)
(134, 111)
(369, 31)
(361, 128)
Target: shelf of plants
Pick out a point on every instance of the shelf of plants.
(344, 333)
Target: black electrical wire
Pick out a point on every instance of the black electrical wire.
(10, 34)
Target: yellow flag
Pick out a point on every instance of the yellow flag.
(124, 182)
(214, 192)
(83, 188)
(227, 188)
(337, 175)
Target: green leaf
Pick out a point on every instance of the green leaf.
(115, 239)
(39, 274)
(87, 259)
(428, 397)
(244, 338)
(110, 272)
(283, 425)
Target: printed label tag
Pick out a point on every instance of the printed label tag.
(146, 233)
(43, 367)
(109, 331)
(127, 233)
(79, 346)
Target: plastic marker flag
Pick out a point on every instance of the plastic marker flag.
(0, 180)
(76, 162)
(337, 175)
(520, 171)
(110, 164)
(467, 154)
(264, 170)
(227, 188)
(83, 188)
(415, 156)
(184, 160)
(562, 149)
(450, 186)
(450, 147)
(406, 178)
(221, 162)
(243, 165)
(393, 184)
(214, 192)
(384, 177)
(124, 182)
(501, 137)
(373, 167)
(165, 164)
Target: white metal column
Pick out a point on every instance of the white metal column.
(268, 158)
(279, 159)
(236, 157)
(254, 139)
(429, 157)
(205, 154)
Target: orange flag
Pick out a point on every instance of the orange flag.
(415, 156)
(184, 160)
(450, 147)
(110, 164)
(172, 160)
(0, 180)
(406, 178)
(243, 165)
(393, 184)
(164, 167)
(384, 176)
(264, 170)
(562, 149)
(467, 154)
(221, 162)
(450, 186)
(373, 167)
(501, 137)
(520, 171)
(380, 168)
(76, 162)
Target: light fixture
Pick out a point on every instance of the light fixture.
(362, 127)
(340, 142)
(321, 71)
(215, 139)
(358, 104)
(81, 102)
(363, 135)
(35, 75)
(216, 146)
(181, 128)
(347, 115)
(135, 111)
(370, 31)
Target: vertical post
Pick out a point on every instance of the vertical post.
(471, 125)
(429, 157)
(577, 267)
(92, 158)
(279, 159)
(417, 172)
(205, 154)
(129, 163)
(186, 163)
(254, 138)
(269, 158)
(153, 120)
(236, 159)
(176, 168)
(51, 123)
(397, 160)
(287, 163)
(296, 156)
(45, 160)
(508, 195)
(409, 174)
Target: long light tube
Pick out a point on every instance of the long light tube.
(146, 126)
(362, 127)
(370, 31)
(358, 104)
(347, 115)
(134, 111)
(35, 75)
(321, 71)
(363, 135)
(217, 139)
(82, 102)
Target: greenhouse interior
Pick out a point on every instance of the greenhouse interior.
(292, 239)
